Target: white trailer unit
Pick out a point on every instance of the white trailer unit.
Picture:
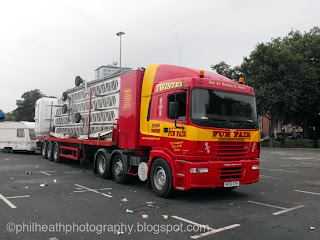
(17, 136)
(44, 113)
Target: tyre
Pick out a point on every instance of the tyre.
(55, 153)
(44, 150)
(49, 151)
(11, 150)
(118, 169)
(102, 164)
(64, 108)
(161, 178)
(77, 117)
(7, 150)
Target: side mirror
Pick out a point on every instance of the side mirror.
(173, 110)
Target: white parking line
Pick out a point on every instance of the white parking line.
(7, 201)
(284, 210)
(19, 196)
(307, 192)
(211, 230)
(215, 231)
(265, 176)
(280, 170)
(268, 205)
(288, 210)
(45, 172)
(92, 190)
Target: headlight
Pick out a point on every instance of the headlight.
(203, 170)
(199, 170)
(255, 167)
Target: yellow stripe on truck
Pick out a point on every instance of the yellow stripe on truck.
(146, 92)
(200, 134)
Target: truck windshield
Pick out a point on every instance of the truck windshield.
(214, 108)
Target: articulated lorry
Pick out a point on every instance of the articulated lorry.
(176, 128)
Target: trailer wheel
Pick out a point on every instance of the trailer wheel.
(119, 175)
(55, 153)
(49, 151)
(103, 164)
(161, 178)
(44, 150)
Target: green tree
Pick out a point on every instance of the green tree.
(285, 74)
(226, 70)
(10, 116)
(306, 47)
(26, 107)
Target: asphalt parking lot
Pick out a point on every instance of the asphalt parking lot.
(77, 204)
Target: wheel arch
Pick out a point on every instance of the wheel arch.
(160, 154)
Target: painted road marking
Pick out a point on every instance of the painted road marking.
(265, 176)
(288, 210)
(268, 205)
(45, 172)
(307, 192)
(210, 229)
(280, 170)
(215, 231)
(7, 201)
(92, 190)
(284, 210)
(19, 196)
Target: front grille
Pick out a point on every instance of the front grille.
(230, 173)
(230, 151)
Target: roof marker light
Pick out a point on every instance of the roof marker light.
(241, 80)
(201, 74)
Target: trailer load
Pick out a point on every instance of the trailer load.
(176, 128)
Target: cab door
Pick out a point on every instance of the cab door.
(175, 132)
(156, 116)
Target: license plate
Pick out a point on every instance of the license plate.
(231, 184)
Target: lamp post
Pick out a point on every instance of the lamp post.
(119, 34)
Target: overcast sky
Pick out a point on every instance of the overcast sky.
(45, 44)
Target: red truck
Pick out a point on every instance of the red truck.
(177, 128)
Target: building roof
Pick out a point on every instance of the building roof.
(110, 67)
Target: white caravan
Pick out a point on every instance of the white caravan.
(17, 136)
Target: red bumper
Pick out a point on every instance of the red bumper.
(218, 173)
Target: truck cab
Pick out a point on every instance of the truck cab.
(202, 124)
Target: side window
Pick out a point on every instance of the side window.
(32, 134)
(20, 133)
(181, 99)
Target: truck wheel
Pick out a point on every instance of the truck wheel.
(103, 164)
(11, 150)
(44, 150)
(7, 150)
(55, 153)
(161, 178)
(119, 175)
(49, 151)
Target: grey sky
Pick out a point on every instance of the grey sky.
(45, 44)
